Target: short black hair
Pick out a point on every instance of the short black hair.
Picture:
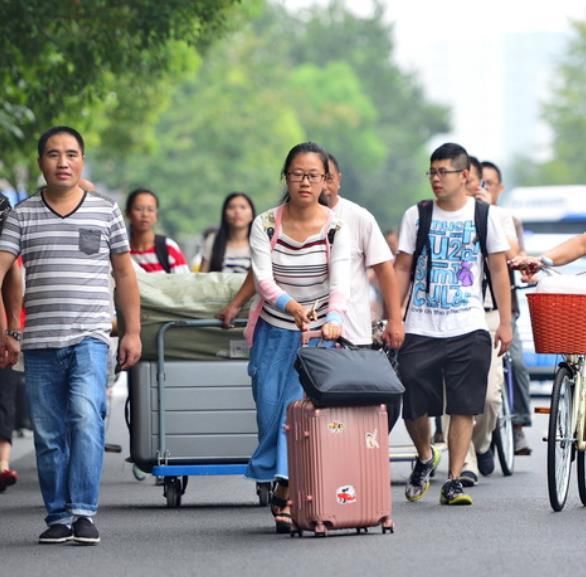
(454, 152)
(334, 161)
(59, 130)
(474, 162)
(489, 164)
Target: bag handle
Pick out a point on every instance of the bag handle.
(306, 336)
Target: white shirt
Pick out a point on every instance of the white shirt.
(368, 248)
(454, 304)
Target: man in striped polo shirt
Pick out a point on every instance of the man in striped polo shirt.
(71, 241)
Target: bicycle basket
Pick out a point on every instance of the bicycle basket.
(558, 322)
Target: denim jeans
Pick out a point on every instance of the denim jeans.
(66, 392)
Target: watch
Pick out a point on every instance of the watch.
(16, 335)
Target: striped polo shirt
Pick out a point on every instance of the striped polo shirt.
(67, 268)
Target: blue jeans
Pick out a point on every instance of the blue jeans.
(66, 391)
(275, 385)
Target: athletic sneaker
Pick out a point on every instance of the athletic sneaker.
(418, 483)
(468, 478)
(85, 532)
(57, 533)
(485, 462)
(452, 493)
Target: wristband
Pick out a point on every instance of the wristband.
(16, 335)
(546, 261)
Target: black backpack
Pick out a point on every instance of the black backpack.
(425, 210)
(162, 252)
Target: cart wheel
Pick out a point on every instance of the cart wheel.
(172, 492)
(138, 473)
(263, 490)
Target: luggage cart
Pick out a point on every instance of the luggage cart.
(192, 418)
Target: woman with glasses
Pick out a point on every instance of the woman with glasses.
(151, 252)
(300, 260)
(229, 249)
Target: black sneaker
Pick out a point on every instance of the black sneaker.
(468, 478)
(485, 462)
(57, 533)
(85, 532)
(452, 493)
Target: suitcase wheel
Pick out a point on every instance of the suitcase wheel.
(264, 492)
(360, 529)
(172, 492)
(388, 528)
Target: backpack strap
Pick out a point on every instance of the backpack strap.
(162, 252)
(481, 209)
(425, 210)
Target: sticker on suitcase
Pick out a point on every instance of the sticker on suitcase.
(346, 494)
(336, 427)
(371, 441)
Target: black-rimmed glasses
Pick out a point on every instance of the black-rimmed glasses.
(298, 176)
(441, 172)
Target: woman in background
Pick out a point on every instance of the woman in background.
(229, 249)
(151, 252)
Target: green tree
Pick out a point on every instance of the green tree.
(63, 61)
(566, 115)
(276, 82)
(405, 120)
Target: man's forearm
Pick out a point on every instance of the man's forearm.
(568, 251)
(12, 291)
(128, 301)
(387, 280)
(499, 274)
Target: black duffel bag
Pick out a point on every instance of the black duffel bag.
(347, 376)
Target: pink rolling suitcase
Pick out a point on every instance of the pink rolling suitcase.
(338, 468)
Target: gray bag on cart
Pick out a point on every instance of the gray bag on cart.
(174, 297)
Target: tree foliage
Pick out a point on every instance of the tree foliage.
(326, 75)
(70, 60)
(566, 115)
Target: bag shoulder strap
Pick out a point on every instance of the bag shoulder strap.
(425, 211)
(481, 209)
(162, 252)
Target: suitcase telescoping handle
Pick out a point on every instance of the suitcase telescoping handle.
(306, 336)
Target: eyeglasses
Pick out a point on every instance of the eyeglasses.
(441, 172)
(313, 177)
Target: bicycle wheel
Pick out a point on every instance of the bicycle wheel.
(503, 437)
(582, 476)
(560, 439)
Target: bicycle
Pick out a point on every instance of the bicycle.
(503, 440)
(553, 319)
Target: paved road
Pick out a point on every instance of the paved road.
(220, 530)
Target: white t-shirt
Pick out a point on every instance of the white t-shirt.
(454, 304)
(368, 248)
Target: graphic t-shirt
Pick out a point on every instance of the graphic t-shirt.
(453, 305)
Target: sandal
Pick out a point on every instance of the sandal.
(283, 522)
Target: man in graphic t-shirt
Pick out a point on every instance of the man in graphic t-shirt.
(447, 341)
